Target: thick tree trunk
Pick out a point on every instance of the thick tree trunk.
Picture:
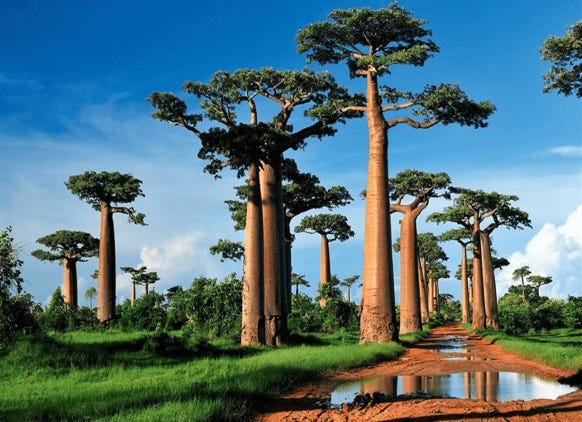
(253, 317)
(378, 317)
(431, 307)
(489, 287)
(464, 286)
(288, 265)
(273, 256)
(478, 321)
(324, 266)
(106, 280)
(410, 317)
(70, 283)
(423, 288)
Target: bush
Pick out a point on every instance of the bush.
(147, 313)
(55, 317)
(515, 316)
(573, 312)
(550, 314)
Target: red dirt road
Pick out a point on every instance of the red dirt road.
(304, 403)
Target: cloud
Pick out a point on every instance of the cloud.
(554, 251)
(568, 151)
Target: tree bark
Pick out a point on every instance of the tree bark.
(378, 316)
(410, 315)
(478, 321)
(423, 288)
(464, 286)
(70, 283)
(132, 298)
(106, 279)
(253, 317)
(273, 256)
(489, 287)
(324, 266)
(431, 307)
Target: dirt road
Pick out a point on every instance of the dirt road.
(306, 403)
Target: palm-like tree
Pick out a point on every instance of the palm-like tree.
(298, 280)
(519, 274)
(91, 293)
(347, 283)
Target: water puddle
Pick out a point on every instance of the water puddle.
(488, 386)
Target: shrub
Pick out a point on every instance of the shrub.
(515, 316)
(573, 312)
(550, 314)
(147, 313)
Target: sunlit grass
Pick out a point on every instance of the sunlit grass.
(39, 380)
(560, 348)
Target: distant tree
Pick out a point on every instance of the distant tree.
(565, 54)
(420, 187)
(520, 274)
(135, 274)
(370, 42)
(68, 247)
(463, 237)
(429, 252)
(436, 271)
(227, 249)
(147, 279)
(347, 283)
(104, 191)
(298, 280)
(537, 281)
(330, 227)
(91, 293)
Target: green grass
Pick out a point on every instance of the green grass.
(559, 348)
(129, 376)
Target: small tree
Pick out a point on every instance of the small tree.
(520, 274)
(347, 283)
(91, 293)
(298, 280)
(330, 227)
(565, 54)
(68, 247)
(537, 281)
(104, 191)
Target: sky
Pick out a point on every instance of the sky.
(74, 78)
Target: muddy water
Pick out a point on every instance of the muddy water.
(491, 386)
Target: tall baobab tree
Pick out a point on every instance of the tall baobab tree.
(104, 191)
(370, 42)
(419, 186)
(330, 227)
(259, 146)
(463, 237)
(68, 247)
(520, 274)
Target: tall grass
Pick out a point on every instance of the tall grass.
(559, 348)
(107, 376)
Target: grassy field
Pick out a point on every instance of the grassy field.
(143, 377)
(559, 348)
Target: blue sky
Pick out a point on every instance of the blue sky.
(74, 77)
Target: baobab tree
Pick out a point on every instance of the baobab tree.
(463, 237)
(520, 274)
(429, 252)
(436, 271)
(347, 283)
(68, 247)
(420, 187)
(135, 274)
(537, 281)
(565, 54)
(91, 293)
(330, 227)
(370, 42)
(104, 191)
(259, 147)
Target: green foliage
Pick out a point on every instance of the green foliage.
(565, 53)
(573, 312)
(227, 249)
(333, 226)
(55, 317)
(147, 313)
(68, 244)
(515, 316)
(449, 309)
(10, 265)
(549, 315)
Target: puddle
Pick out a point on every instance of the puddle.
(488, 386)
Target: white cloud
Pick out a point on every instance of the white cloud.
(554, 251)
(568, 151)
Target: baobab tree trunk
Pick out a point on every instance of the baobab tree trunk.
(132, 298)
(253, 317)
(70, 283)
(378, 316)
(273, 256)
(489, 288)
(478, 321)
(106, 279)
(464, 286)
(410, 318)
(431, 309)
(324, 266)
(423, 288)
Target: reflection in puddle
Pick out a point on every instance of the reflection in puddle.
(488, 386)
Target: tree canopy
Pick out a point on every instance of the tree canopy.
(67, 244)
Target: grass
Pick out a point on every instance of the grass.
(559, 348)
(113, 376)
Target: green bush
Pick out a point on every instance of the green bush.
(515, 316)
(147, 313)
(573, 312)
(55, 317)
(549, 315)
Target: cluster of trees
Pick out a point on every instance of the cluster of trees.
(247, 120)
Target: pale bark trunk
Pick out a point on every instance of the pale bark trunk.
(132, 298)
(378, 317)
(464, 286)
(478, 321)
(489, 288)
(431, 308)
(106, 280)
(274, 257)
(324, 266)
(410, 316)
(424, 312)
(253, 317)
(70, 283)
